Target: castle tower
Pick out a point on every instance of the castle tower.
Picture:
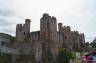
(48, 32)
(67, 37)
(75, 40)
(54, 24)
(44, 26)
(27, 23)
(23, 30)
(60, 29)
(48, 25)
(82, 39)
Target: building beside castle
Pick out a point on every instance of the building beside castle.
(5, 39)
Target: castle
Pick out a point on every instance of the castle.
(48, 40)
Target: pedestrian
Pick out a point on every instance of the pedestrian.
(87, 56)
(71, 61)
(90, 59)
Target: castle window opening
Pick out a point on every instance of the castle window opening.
(24, 33)
(20, 29)
(65, 37)
(73, 39)
(2, 43)
(48, 26)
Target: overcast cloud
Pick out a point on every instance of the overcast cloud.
(79, 14)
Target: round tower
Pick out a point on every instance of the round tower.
(27, 24)
(60, 27)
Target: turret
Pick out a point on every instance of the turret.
(27, 24)
(47, 24)
(45, 15)
(23, 30)
(82, 38)
(53, 23)
(27, 21)
(67, 28)
(60, 27)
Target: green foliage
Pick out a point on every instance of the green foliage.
(81, 53)
(5, 58)
(73, 55)
(12, 39)
(82, 45)
(87, 44)
(63, 56)
(93, 44)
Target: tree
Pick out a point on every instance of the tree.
(5, 58)
(63, 56)
(82, 45)
(87, 44)
(73, 55)
(93, 43)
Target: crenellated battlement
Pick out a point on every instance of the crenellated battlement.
(53, 19)
(45, 15)
(74, 31)
(19, 25)
(81, 34)
(60, 27)
(67, 27)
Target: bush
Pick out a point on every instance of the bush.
(73, 55)
(63, 56)
(5, 58)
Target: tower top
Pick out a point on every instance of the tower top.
(54, 18)
(27, 20)
(45, 15)
(60, 24)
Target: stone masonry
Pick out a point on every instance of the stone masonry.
(45, 43)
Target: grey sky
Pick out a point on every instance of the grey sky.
(79, 14)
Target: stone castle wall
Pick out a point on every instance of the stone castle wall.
(70, 39)
(48, 40)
